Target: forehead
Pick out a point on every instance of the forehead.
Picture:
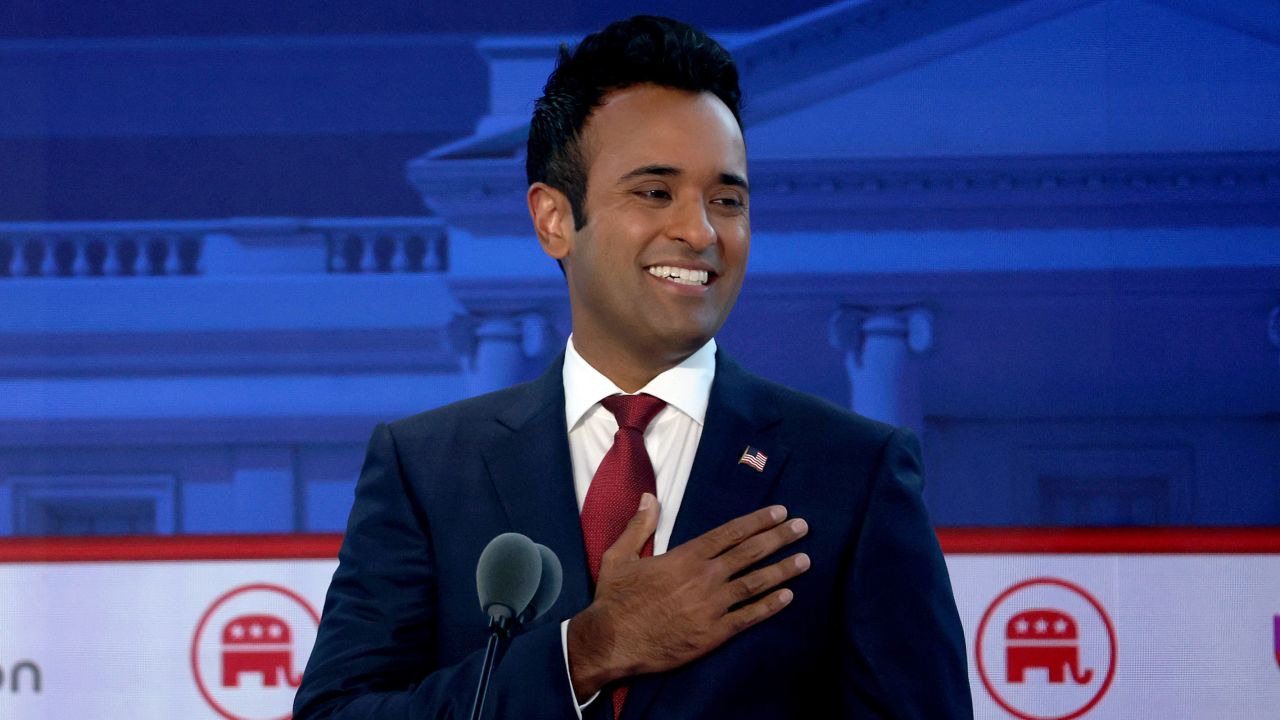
(653, 125)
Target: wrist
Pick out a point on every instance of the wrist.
(587, 642)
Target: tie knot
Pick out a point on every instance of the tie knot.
(633, 411)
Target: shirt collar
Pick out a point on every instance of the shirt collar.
(686, 387)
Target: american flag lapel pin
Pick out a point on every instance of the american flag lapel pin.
(754, 458)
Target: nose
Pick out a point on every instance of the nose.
(691, 225)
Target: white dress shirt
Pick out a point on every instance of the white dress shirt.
(671, 438)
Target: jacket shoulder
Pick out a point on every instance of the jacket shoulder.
(471, 410)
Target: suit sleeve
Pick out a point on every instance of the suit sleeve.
(375, 652)
(907, 656)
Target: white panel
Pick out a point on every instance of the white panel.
(1194, 634)
(115, 640)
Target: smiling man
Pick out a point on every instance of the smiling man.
(656, 257)
(732, 548)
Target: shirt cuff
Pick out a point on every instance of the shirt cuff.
(564, 644)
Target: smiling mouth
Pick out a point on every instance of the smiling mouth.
(679, 275)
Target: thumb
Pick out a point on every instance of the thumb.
(640, 528)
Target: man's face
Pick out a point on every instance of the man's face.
(659, 264)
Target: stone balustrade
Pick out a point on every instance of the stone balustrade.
(77, 254)
(250, 245)
(384, 248)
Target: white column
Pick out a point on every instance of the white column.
(880, 346)
(506, 329)
(494, 346)
(498, 356)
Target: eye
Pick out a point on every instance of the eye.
(654, 194)
(730, 202)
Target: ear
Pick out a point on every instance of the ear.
(552, 219)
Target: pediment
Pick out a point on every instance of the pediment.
(1123, 76)
(896, 114)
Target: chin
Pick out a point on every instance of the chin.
(681, 342)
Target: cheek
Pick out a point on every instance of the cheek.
(632, 227)
(630, 243)
(735, 237)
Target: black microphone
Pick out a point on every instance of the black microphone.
(548, 587)
(507, 578)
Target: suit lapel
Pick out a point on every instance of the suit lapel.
(720, 488)
(532, 474)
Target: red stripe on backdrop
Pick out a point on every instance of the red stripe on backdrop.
(162, 548)
(1123, 541)
(955, 541)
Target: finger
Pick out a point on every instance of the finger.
(766, 578)
(638, 530)
(762, 545)
(754, 613)
(714, 542)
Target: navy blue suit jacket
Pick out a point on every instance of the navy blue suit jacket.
(872, 633)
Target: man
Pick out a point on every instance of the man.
(732, 549)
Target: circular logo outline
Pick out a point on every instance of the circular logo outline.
(1111, 636)
(204, 619)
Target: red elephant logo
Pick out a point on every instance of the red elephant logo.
(261, 644)
(1047, 639)
(249, 648)
(1052, 625)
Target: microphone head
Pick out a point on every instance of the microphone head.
(507, 575)
(548, 587)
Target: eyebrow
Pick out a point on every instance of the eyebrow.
(731, 179)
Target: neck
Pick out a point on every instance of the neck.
(628, 370)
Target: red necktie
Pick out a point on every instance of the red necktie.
(624, 475)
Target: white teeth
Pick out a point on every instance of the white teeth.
(679, 275)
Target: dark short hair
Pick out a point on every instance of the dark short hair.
(642, 49)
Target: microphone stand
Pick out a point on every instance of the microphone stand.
(500, 628)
